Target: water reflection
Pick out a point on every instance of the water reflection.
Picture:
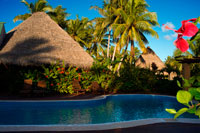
(113, 109)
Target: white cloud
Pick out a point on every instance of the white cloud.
(171, 36)
(169, 24)
(168, 37)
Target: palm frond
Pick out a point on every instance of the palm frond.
(21, 17)
(26, 4)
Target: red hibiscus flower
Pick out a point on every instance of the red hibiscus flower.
(187, 29)
(62, 72)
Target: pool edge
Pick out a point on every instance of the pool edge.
(92, 127)
(101, 97)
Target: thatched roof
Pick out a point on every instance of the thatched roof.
(149, 60)
(39, 40)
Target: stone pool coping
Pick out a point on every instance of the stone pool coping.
(101, 97)
(92, 127)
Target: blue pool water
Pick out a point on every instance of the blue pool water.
(114, 108)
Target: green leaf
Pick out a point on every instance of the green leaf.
(186, 83)
(180, 112)
(54, 77)
(184, 97)
(179, 84)
(198, 78)
(198, 20)
(192, 79)
(198, 90)
(197, 97)
(192, 110)
(198, 112)
(171, 111)
(193, 91)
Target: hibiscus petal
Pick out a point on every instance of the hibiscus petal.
(189, 29)
(193, 19)
(185, 21)
(182, 44)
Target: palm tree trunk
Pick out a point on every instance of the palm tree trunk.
(114, 52)
(108, 48)
(132, 51)
(122, 59)
(97, 50)
(113, 57)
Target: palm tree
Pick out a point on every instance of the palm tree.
(136, 21)
(109, 18)
(97, 43)
(38, 6)
(80, 30)
(104, 23)
(59, 15)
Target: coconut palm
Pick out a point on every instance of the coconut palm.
(104, 23)
(80, 30)
(59, 15)
(97, 43)
(38, 6)
(137, 21)
(109, 18)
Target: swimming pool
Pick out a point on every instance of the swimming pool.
(109, 109)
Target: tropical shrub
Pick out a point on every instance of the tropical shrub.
(102, 74)
(34, 74)
(190, 98)
(85, 79)
(133, 79)
(58, 78)
(165, 86)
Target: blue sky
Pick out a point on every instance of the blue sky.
(171, 12)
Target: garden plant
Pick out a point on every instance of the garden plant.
(190, 98)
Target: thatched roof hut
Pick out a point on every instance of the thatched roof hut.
(150, 60)
(39, 40)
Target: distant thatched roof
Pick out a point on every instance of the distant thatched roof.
(39, 40)
(149, 60)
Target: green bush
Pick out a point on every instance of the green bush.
(102, 74)
(133, 79)
(165, 86)
(59, 79)
(85, 79)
